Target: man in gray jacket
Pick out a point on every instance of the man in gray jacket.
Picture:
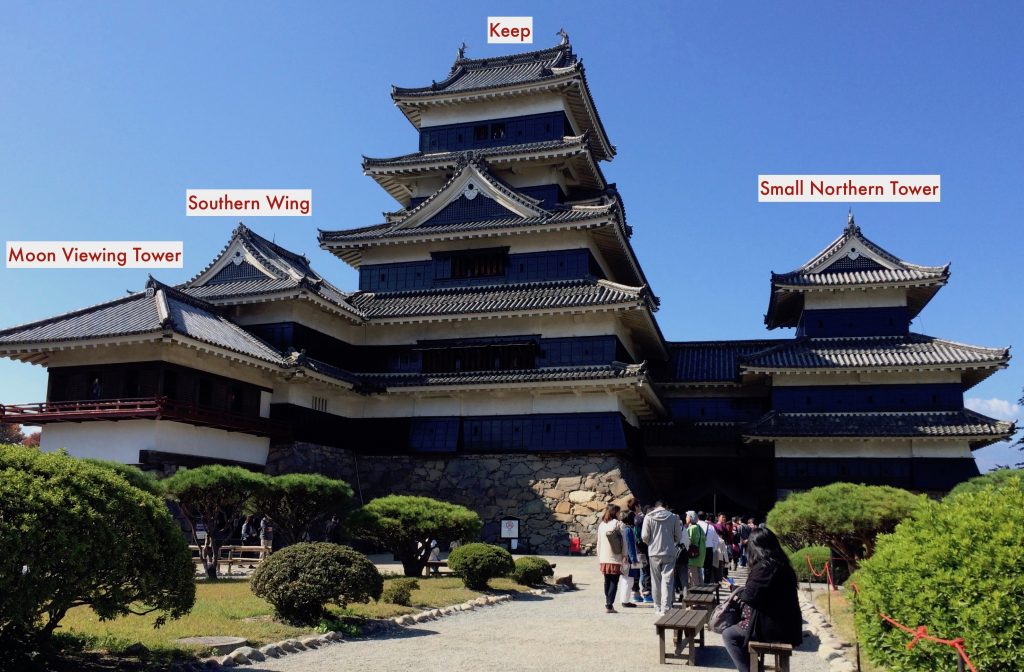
(661, 532)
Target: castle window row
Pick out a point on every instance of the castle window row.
(495, 132)
(486, 266)
(868, 398)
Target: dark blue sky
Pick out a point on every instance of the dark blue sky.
(109, 112)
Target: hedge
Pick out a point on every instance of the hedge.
(478, 563)
(957, 567)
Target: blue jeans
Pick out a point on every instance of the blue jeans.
(734, 637)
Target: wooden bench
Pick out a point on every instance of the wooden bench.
(232, 555)
(703, 601)
(435, 566)
(759, 650)
(683, 622)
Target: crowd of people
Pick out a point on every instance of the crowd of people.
(652, 555)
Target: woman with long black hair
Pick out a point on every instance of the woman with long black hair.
(771, 610)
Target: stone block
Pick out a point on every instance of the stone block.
(310, 641)
(563, 507)
(244, 655)
(568, 483)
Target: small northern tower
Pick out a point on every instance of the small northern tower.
(858, 396)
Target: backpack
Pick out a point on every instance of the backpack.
(615, 541)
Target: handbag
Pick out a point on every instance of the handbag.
(726, 615)
(614, 537)
(693, 552)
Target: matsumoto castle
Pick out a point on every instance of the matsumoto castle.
(502, 348)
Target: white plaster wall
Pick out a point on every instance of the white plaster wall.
(859, 298)
(121, 441)
(491, 109)
(872, 448)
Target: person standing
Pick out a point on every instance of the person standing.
(249, 533)
(267, 535)
(611, 544)
(661, 533)
(744, 536)
(771, 610)
(724, 530)
(710, 543)
(631, 571)
(698, 540)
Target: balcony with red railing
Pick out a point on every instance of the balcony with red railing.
(152, 408)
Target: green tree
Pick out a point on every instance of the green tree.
(75, 533)
(406, 524)
(295, 502)
(211, 498)
(843, 516)
(956, 567)
(10, 432)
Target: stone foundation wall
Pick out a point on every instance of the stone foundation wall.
(553, 495)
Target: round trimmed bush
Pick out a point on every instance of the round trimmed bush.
(819, 556)
(956, 567)
(478, 563)
(531, 570)
(399, 591)
(300, 580)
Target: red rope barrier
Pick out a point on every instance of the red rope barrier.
(921, 632)
(826, 571)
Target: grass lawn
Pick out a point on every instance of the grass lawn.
(842, 621)
(228, 607)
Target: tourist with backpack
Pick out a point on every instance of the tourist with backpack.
(697, 549)
(611, 553)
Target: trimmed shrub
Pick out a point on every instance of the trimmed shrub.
(405, 525)
(300, 580)
(74, 533)
(819, 556)
(957, 567)
(142, 480)
(531, 570)
(843, 516)
(478, 563)
(399, 591)
(996, 477)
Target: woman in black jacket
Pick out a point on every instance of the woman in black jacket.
(771, 611)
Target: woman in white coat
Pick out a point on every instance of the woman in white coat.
(611, 545)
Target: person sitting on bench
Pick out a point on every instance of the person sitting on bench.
(771, 610)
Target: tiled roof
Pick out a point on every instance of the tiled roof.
(851, 260)
(546, 374)
(567, 144)
(556, 68)
(876, 352)
(289, 271)
(160, 308)
(499, 298)
(394, 229)
(485, 73)
(710, 361)
(952, 424)
(132, 314)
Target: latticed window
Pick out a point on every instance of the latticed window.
(482, 264)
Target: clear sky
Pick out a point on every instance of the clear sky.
(110, 111)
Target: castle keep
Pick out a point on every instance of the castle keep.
(501, 350)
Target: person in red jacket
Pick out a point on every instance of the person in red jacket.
(771, 610)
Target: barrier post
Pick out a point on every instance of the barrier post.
(858, 656)
(960, 664)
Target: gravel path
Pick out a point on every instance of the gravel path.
(557, 633)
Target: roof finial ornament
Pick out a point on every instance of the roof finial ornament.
(462, 52)
(564, 35)
(850, 224)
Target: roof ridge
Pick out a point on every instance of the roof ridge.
(468, 289)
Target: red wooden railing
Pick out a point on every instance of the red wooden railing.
(160, 408)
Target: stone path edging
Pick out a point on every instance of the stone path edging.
(247, 655)
(831, 648)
